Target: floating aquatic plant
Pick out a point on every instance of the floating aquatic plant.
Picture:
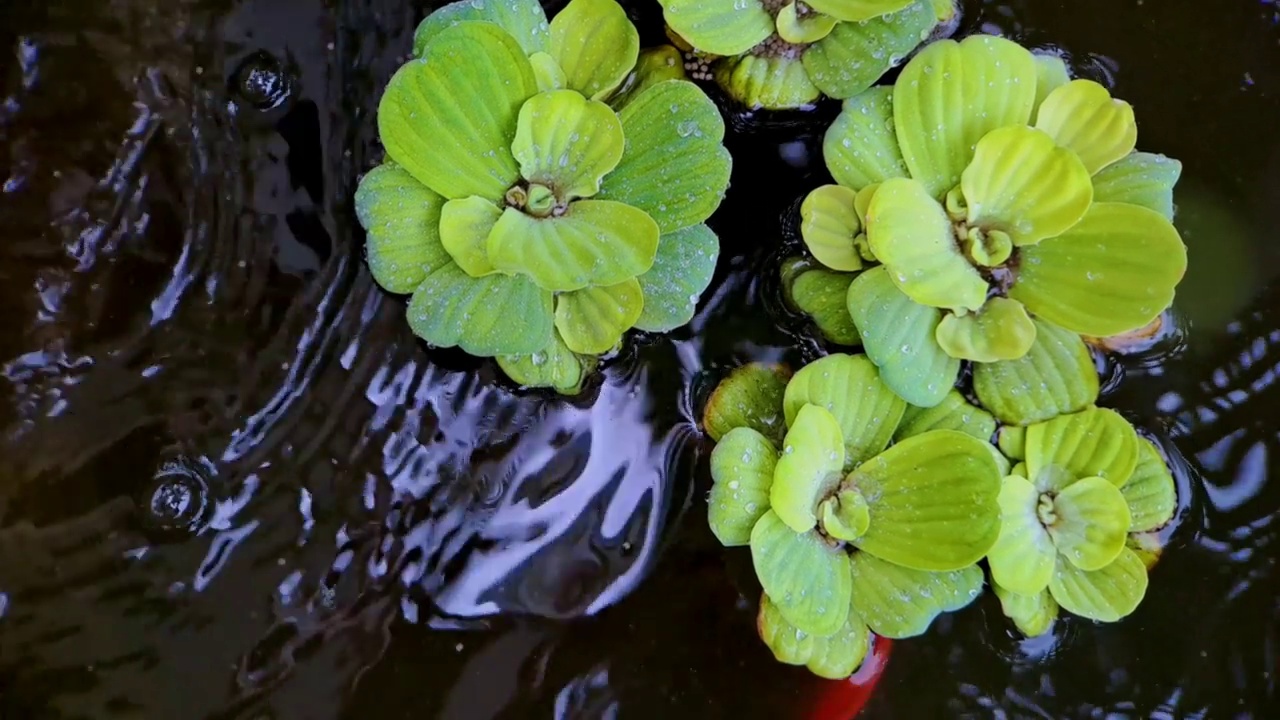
(860, 516)
(545, 186)
(990, 209)
(787, 53)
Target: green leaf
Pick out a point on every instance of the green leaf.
(773, 83)
(810, 28)
(855, 55)
(742, 466)
(933, 501)
(524, 20)
(547, 71)
(1113, 272)
(1082, 117)
(845, 515)
(682, 270)
(596, 242)
(897, 602)
(1091, 523)
(567, 142)
(449, 118)
(1051, 74)
(1150, 492)
(1020, 182)
(655, 65)
(1012, 441)
(719, 27)
(401, 217)
(860, 148)
(852, 11)
(592, 320)
(487, 316)
(834, 657)
(1001, 330)
(556, 367)
(1104, 595)
(465, 224)
(911, 234)
(953, 413)
(596, 45)
(950, 95)
(750, 397)
(1139, 179)
(828, 224)
(1094, 442)
(674, 167)
(899, 336)
(1033, 615)
(1055, 377)
(1024, 556)
(807, 579)
(849, 387)
(821, 294)
(811, 466)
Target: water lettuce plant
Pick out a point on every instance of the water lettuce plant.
(859, 516)
(545, 186)
(988, 208)
(781, 54)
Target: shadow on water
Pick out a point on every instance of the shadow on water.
(233, 485)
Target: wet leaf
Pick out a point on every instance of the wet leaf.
(854, 55)
(567, 142)
(1092, 521)
(821, 294)
(1051, 74)
(828, 224)
(897, 602)
(1094, 442)
(449, 118)
(860, 148)
(547, 71)
(751, 396)
(834, 657)
(592, 320)
(1141, 179)
(1105, 595)
(808, 29)
(524, 20)
(655, 65)
(1033, 615)
(845, 515)
(1150, 491)
(465, 224)
(596, 45)
(1055, 377)
(1113, 272)
(1012, 441)
(1024, 556)
(1001, 330)
(848, 387)
(953, 413)
(852, 11)
(811, 465)
(1082, 117)
(401, 217)
(933, 501)
(807, 579)
(742, 466)
(682, 269)
(487, 316)
(556, 367)
(774, 83)
(719, 27)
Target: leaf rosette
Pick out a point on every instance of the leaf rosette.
(545, 186)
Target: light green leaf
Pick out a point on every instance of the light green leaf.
(1051, 74)
(899, 336)
(811, 466)
(401, 217)
(487, 316)
(1113, 272)
(1091, 521)
(556, 367)
(1033, 615)
(465, 224)
(1105, 595)
(1082, 117)
(860, 148)
(950, 95)
(567, 142)
(682, 269)
(674, 166)
(742, 465)
(1001, 330)
(655, 65)
(592, 320)
(897, 602)
(1139, 179)
(1055, 377)
(845, 515)
(911, 234)
(524, 20)
(1020, 182)
(849, 387)
(719, 27)
(810, 28)
(852, 11)
(448, 119)
(1024, 556)
(828, 225)
(821, 294)
(953, 413)
(596, 242)
(1012, 441)
(855, 55)
(933, 501)
(1094, 442)
(596, 45)
(807, 579)
(548, 72)
(834, 657)
(750, 397)
(773, 83)
(1150, 492)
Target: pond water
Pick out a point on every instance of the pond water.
(234, 485)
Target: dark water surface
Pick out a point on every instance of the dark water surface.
(233, 484)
